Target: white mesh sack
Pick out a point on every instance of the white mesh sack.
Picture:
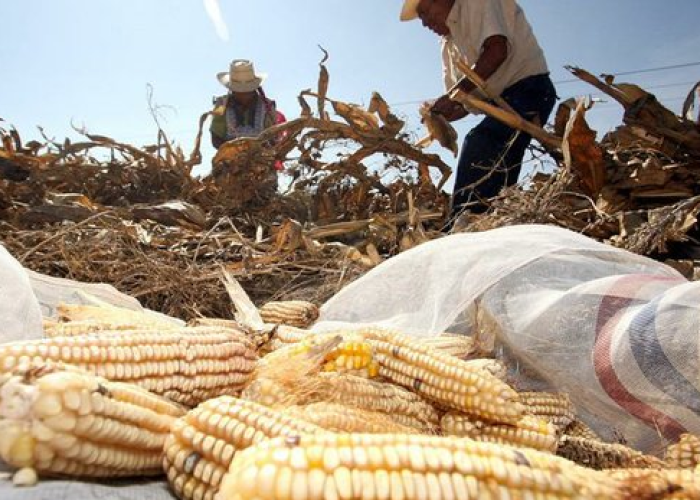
(619, 332)
(20, 315)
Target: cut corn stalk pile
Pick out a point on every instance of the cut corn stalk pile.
(66, 212)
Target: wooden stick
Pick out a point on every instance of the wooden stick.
(342, 228)
(587, 77)
(513, 120)
(474, 77)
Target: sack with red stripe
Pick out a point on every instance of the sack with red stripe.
(618, 332)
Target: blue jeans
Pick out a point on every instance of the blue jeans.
(492, 153)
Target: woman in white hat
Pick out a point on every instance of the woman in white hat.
(245, 111)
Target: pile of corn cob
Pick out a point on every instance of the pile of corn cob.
(229, 413)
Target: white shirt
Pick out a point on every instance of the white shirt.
(471, 22)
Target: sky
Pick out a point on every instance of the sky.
(90, 63)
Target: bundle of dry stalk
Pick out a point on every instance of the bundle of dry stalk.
(140, 220)
(69, 214)
(636, 189)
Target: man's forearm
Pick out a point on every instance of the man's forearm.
(493, 54)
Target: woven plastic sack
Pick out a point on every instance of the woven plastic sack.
(618, 332)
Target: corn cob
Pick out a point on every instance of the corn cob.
(345, 354)
(71, 423)
(297, 313)
(657, 484)
(188, 365)
(284, 335)
(341, 418)
(556, 408)
(218, 322)
(112, 314)
(578, 429)
(86, 327)
(364, 466)
(259, 337)
(528, 432)
(685, 454)
(202, 444)
(599, 455)
(492, 366)
(443, 379)
(402, 406)
(459, 346)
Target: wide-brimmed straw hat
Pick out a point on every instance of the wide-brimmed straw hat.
(409, 12)
(241, 77)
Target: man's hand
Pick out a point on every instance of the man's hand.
(451, 110)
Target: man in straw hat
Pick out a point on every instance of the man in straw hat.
(495, 39)
(245, 111)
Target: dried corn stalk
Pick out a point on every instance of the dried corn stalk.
(188, 365)
(404, 466)
(69, 423)
(202, 444)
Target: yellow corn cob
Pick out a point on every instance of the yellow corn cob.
(443, 379)
(459, 346)
(685, 454)
(364, 466)
(578, 429)
(348, 354)
(599, 455)
(657, 484)
(341, 418)
(297, 313)
(71, 423)
(528, 432)
(113, 315)
(189, 365)
(556, 408)
(202, 444)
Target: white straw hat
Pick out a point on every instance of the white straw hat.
(241, 77)
(409, 12)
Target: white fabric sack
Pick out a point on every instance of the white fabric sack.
(20, 315)
(617, 331)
